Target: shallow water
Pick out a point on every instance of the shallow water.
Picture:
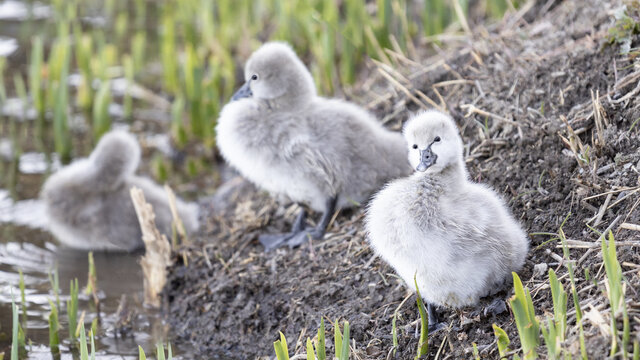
(26, 246)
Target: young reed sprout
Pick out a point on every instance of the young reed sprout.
(280, 346)
(84, 351)
(55, 286)
(615, 293)
(574, 291)
(23, 301)
(476, 353)
(555, 329)
(35, 81)
(137, 50)
(321, 350)
(92, 277)
(129, 70)
(14, 330)
(423, 342)
(54, 333)
(84, 53)
(72, 309)
(101, 118)
(503, 341)
(341, 340)
(59, 97)
(526, 321)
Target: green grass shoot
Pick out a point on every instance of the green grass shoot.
(54, 330)
(23, 302)
(160, 351)
(101, 118)
(555, 330)
(615, 294)
(72, 309)
(311, 355)
(280, 346)
(55, 286)
(92, 277)
(35, 80)
(526, 321)
(84, 351)
(423, 342)
(344, 351)
(141, 355)
(129, 73)
(476, 353)
(14, 330)
(337, 339)
(502, 339)
(574, 292)
(320, 345)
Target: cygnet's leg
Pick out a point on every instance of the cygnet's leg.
(272, 241)
(317, 232)
(434, 323)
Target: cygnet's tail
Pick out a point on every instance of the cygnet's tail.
(116, 156)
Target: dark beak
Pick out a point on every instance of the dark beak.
(243, 92)
(427, 158)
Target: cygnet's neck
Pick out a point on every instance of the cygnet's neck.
(287, 102)
(453, 175)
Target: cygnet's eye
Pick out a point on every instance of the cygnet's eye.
(415, 146)
(254, 77)
(437, 139)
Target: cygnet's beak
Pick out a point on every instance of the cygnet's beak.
(243, 92)
(427, 158)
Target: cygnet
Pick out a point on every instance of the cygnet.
(457, 237)
(88, 202)
(325, 153)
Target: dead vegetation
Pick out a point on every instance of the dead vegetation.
(549, 113)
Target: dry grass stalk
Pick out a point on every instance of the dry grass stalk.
(599, 118)
(177, 221)
(630, 226)
(472, 109)
(157, 255)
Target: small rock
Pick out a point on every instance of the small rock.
(540, 269)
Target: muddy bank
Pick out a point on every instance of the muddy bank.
(546, 109)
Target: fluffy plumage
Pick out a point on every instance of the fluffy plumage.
(291, 142)
(88, 202)
(457, 236)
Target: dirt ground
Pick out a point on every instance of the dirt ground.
(524, 93)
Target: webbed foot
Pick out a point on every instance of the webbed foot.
(497, 307)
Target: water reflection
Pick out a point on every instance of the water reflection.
(35, 253)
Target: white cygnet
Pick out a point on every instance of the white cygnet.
(88, 202)
(457, 237)
(324, 153)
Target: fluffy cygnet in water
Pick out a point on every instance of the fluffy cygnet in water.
(457, 237)
(88, 202)
(324, 153)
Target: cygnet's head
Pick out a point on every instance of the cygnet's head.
(117, 154)
(434, 142)
(274, 72)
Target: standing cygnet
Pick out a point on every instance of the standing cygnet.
(325, 153)
(88, 202)
(457, 237)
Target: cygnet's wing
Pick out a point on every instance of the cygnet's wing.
(68, 188)
(316, 159)
(477, 219)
